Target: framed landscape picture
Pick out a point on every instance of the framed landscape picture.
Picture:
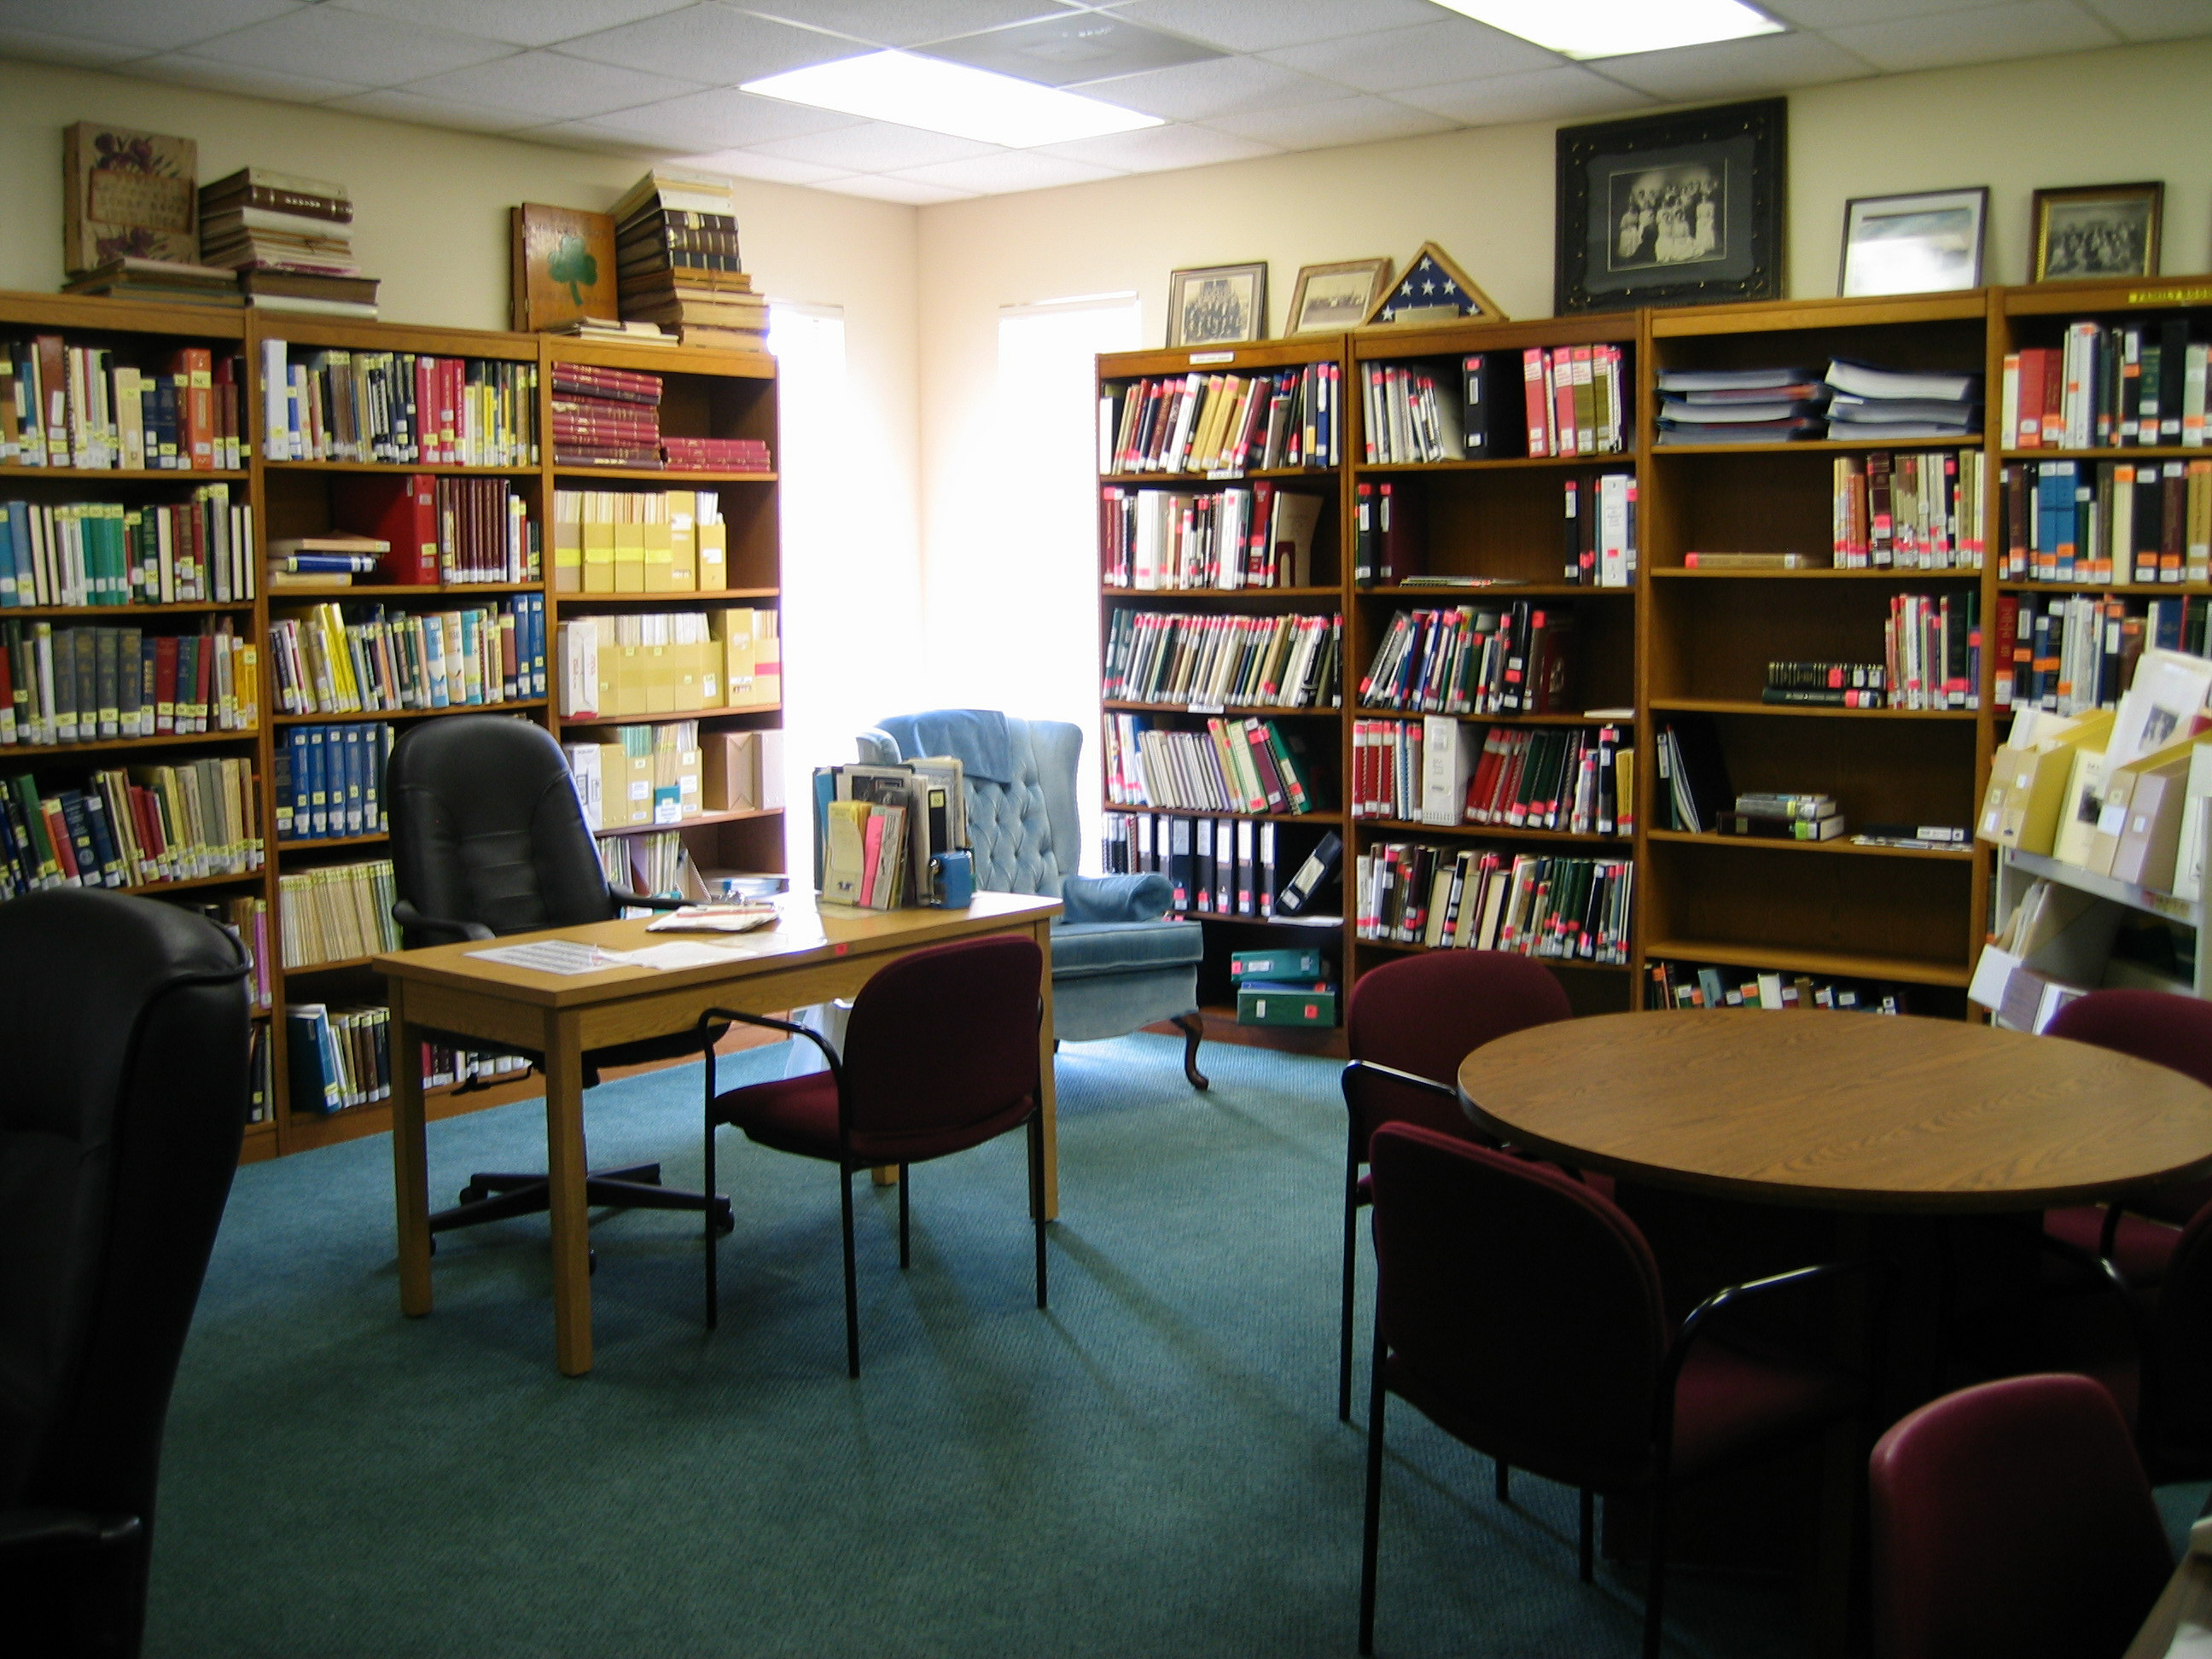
(1332, 298)
(1672, 210)
(1217, 305)
(2098, 230)
(563, 268)
(1929, 243)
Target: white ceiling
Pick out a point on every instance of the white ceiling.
(658, 78)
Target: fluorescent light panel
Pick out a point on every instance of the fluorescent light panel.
(1613, 29)
(940, 96)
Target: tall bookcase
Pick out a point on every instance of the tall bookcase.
(705, 393)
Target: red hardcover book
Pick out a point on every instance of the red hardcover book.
(403, 511)
(194, 367)
(1538, 407)
(165, 685)
(2008, 631)
(203, 650)
(2033, 365)
(2054, 399)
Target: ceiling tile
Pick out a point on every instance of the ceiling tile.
(1071, 49)
(1452, 49)
(1222, 86)
(905, 23)
(1538, 95)
(584, 135)
(1264, 25)
(552, 85)
(991, 175)
(242, 79)
(520, 22)
(31, 46)
(149, 28)
(373, 52)
(751, 164)
(1339, 121)
(396, 105)
(1159, 149)
(1844, 13)
(2155, 20)
(885, 188)
(716, 44)
(1987, 35)
(876, 147)
(723, 118)
(1733, 69)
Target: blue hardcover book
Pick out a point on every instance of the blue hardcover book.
(471, 643)
(319, 800)
(19, 530)
(433, 668)
(103, 839)
(385, 738)
(355, 787)
(538, 645)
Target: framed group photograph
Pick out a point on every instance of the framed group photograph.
(1672, 210)
(2097, 230)
(1928, 243)
(1330, 298)
(1217, 305)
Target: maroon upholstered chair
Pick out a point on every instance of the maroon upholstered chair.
(2138, 1232)
(1408, 1025)
(940, 1056)
(2013, 1520)
(1521, 1311)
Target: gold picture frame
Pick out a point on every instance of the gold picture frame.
(1217, 305)
(2085, 232)
(1330, 298)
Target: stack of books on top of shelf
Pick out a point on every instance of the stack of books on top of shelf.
(1739, 405)
(605, 416)
(716, 454)
(676, 264)
(1781, 817)
(1876, 405)
(162, 281)
(289, 238)
(607, 333)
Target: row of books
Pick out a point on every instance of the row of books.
(1567, 909)
(681, 454)
(323, 660)
(652, 541)
(76, 406)
(605, 417)
(1574, 781)
(329, 781)
(337, 1057)
(669, 662)
(1911, 510)
(2108, 521)
(1215, 867)
(1932, 649)
(646, 775)
(88, 553)
(337, 913)
(2107, 385)
(2074, 652)
(398, 407)
(677, 263)
(1209, 663)
(1783, 816)
(1570, 401)
(1247, 535)
(137, 827)
(1514, 659)
(1670, 984)
(1850, 401)
(426, 531)
(1599, 536)
(1232, 766)
(74, 685)
(1217, 423)
(658, 863)
(1842, 684)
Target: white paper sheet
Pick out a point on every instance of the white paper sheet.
(555, 956)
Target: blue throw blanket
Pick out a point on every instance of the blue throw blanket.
(977, 738)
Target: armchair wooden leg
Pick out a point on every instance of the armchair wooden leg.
(709, 1231)
(902, 1186)
(1192, 1027)
(1373, 1520)
(1351, 1266)
(851, 1288)
(1037, 1198)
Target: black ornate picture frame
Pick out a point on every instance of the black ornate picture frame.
(1675, 209)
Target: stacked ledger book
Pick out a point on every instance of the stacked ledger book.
(676, 264)
(1741, 405)
(163, 281)
(605, 416)
(1876, 405)
(290, 240)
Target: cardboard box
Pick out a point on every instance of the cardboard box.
(2027, 785)
(1285, 1005)
(2019, 996)
(2151, 835)
(714, 544)
(660, 556)
(630, 558)
(730, 771)
(598, 538)
(2121, 786)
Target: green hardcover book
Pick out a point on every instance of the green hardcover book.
(1286, 1004)
(1256, 965)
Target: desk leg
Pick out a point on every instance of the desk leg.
(565, 1165)
(410, 1170)
(1048, 1107)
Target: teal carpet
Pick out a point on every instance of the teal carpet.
(1154, 1466)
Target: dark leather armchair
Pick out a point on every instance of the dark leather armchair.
(488, 838)
(123, 1031)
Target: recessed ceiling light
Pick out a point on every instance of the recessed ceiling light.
(1613, 29)
(1070, 50)
(945, 97)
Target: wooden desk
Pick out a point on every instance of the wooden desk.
(1841, 1111)
(811, 956)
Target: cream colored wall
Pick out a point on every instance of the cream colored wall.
(1487, 195)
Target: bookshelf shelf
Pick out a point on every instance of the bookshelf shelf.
(513, 707)
(47, 754)
(698, 821)
(321, 843)
(597, 723)
(687, 599)
(1327, 816)
(1487, 831)
(1682, 573)
(1911, 970)
(84, 477)
(1585, 718)
(1843, 846)
(1817, 446)
(1432, 594)
(198, 883)
(444, 593)
(2114, 452)
(342, 964)
(1200, 480)
(123, 615)
(1240, 710)
(521, 469)
(2147, 590)
(1146, 595)
(1622, 460)
(570, 471)
(1798, 711)
(1407, 948)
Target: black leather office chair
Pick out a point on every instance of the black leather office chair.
(488, 838)
(123, 1042)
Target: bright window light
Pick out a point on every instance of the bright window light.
(1611, 28)
(945, 97)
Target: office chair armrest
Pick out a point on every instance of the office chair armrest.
(23, 1531)
(409, 917)
(1411, 1079)
(1114, 898)
(829, 1052)
(1706, 1313)
(644, 901)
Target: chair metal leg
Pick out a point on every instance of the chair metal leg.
(709, 1232)
(851, 1288)
(902, 1186)
(1654, 1595)
(1373, 1524)
(1504, 1480)
(1037, 1198)
(1350, 1267)
(1589, 1561)
(1192, 1027)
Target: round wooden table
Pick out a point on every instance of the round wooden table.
(1840, 1111)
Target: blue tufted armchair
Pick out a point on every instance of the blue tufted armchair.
(1119, 961)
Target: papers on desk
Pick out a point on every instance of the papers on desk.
(555, 956)
(715, 919)
(2180, 1625)
(680, 953)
